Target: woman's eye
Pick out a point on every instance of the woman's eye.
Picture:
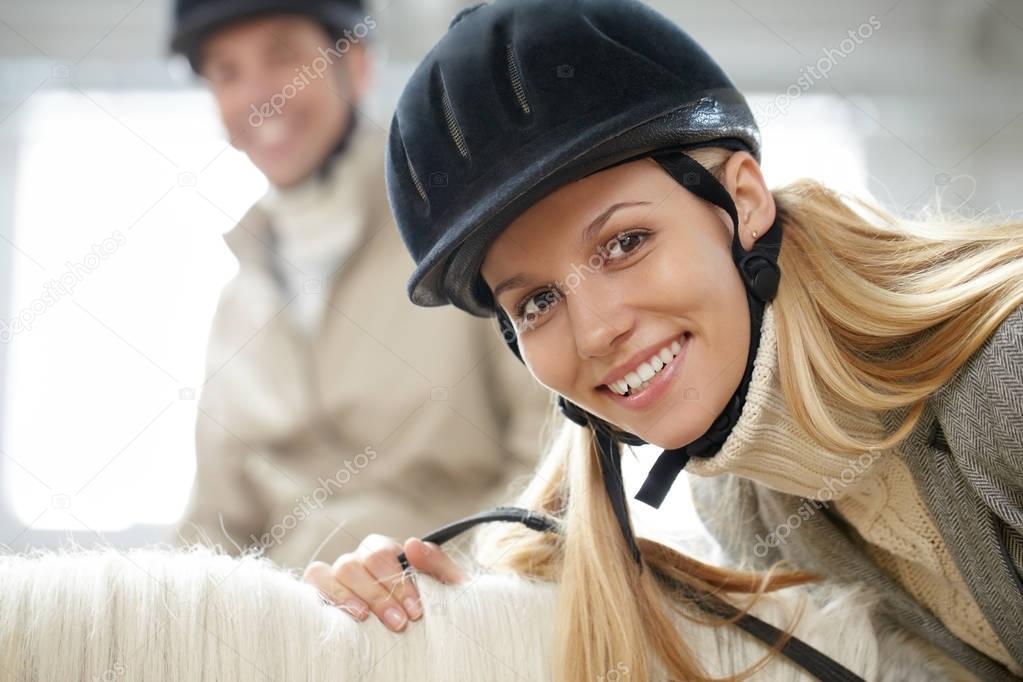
(623, 244)
(535, 306)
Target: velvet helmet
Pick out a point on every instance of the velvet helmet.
(194, 20)
(521, 97)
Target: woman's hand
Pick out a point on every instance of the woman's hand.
(370, 578)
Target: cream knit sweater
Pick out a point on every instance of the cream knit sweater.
(874, 492)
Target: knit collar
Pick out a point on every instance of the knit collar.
(767, 444)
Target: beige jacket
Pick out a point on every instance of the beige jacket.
(389, 419)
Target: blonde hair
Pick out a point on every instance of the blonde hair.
(873, 310)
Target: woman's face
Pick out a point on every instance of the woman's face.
(625, 280)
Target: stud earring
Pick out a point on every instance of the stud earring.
(745, 219)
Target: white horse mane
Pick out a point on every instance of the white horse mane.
(168, 615)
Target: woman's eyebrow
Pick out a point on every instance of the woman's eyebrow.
(588, 234)
(594, 227)
(510, 283)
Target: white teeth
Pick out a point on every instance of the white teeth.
(646, 370)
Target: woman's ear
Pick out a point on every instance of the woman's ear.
(753, 200)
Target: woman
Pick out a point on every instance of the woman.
(586, 173)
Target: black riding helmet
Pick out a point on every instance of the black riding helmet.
(195, 20)
(521, 97)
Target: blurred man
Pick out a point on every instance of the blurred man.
(332, 408)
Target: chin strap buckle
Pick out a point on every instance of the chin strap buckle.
(762, 275)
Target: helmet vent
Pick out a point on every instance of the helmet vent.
(415, 180)
(516, 79)
(449, 118)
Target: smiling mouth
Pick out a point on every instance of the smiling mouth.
(640, 377)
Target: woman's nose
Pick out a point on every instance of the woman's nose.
(600, 323)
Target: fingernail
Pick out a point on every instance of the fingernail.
(412, 606)
(395, 617)
(354, 608)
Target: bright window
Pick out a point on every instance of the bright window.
(120, 204)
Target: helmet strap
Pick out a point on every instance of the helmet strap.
(760, 273)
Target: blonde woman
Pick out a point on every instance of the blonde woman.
(845, 385)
